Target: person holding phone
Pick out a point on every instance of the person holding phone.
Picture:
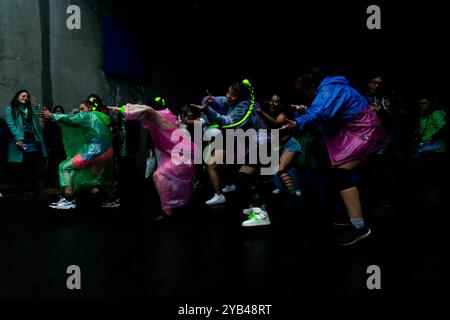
(26, 146)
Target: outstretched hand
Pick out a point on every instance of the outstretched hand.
(33, 101)
(114, 109)
(45, 113)
(199, 107)
(208, 98)
(299, 108)
(289, 125)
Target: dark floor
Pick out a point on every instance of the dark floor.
(203, 254)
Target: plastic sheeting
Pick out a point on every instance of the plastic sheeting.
(87, 139)
(173, 180)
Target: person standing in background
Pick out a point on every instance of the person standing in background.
(26, 145)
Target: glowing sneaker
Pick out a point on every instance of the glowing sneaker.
(251, 210)
(254, 220)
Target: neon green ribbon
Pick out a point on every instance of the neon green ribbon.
(247, 83)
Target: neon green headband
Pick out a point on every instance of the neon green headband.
(160, 100)
(247, 83)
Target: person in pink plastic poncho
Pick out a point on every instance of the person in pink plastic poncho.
(173, 176)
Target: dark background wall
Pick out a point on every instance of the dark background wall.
(206, 44)
(186, 47)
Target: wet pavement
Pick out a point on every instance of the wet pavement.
(203, 254)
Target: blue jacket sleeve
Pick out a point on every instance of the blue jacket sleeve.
(218, 104)
(235, 115)
(324, 107)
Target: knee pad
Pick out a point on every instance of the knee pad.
(342, 179)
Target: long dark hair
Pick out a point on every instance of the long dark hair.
(241, 90)
(310, 78)
(15, 103)
(159, 103)
(89, 103)
(97, 103)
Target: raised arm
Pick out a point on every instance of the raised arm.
(276, 122)
(234, 116)
(73, 120)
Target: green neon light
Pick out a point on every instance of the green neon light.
(159, 99)
(121, 109)
(253, 216)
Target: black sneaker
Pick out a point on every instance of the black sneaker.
(353, 235)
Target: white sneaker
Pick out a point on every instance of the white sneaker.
(254, 220)
(276, 191)
(60, 199)
(64, 205)
(229, 188)
(298, 193)
(1, 196)
(111, 204)
(218, 198)
(251, 210)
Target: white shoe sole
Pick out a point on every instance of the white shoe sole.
(341, 224)
(111, 206)
(256, 223)
(215, 202)
(63, 208)
(357, 239)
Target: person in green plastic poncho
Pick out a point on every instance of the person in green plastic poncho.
(87, 141)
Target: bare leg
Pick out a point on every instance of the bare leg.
(212, 171)
(68, 190)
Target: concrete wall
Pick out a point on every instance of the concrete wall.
(75, 55)
(20, 49)
(57, 65)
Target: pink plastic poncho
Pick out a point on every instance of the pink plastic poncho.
(173, 181)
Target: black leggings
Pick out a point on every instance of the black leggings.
(26, 173)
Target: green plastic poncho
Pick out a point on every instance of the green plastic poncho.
(87, 140)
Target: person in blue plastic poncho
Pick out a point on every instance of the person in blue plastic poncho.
(352, 132)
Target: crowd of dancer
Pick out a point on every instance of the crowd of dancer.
(333, 132)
